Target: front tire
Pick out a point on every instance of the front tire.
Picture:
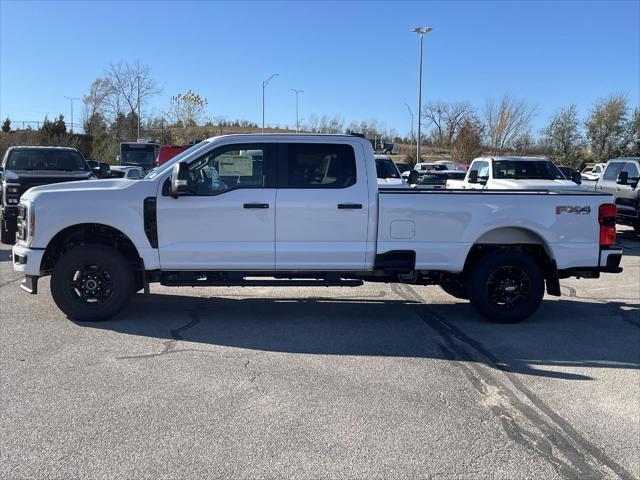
(92, 283)
(506, 286)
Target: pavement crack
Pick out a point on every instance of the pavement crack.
(169, 346)
(8, 282)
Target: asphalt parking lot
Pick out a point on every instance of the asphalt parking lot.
(372, 382)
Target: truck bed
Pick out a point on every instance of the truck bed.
(442, 226)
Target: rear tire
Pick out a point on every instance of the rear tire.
(92, 283)
(8, 237)
(506, 286)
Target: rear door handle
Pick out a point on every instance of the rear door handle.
(349, 206)
(256, 205)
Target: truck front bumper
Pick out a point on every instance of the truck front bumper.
(28, 261)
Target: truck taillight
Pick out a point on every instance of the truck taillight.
(607, 219)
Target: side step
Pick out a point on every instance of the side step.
(203, 280)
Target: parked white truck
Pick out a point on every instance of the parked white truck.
(247, 210)
(521, 173)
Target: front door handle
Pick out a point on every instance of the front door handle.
(349, 206)
(599, 188)
(256, 205)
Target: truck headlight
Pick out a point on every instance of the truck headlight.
(26, 222)
(11, 194)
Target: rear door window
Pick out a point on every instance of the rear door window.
(632, 170)
(317, 165)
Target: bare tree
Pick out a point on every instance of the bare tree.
(446, 120)
(606, 126)
(436, 113)
(563, 138)
(130, 86)
(506, 120)
(95, 103)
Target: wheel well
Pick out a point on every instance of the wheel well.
(536, 251)
(86, 233)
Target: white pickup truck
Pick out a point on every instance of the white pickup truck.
(509, 173)
(248, 210)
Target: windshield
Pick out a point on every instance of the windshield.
(157, 171)
(46, 159)
(526, 170)
(385, 168)
(142, 154)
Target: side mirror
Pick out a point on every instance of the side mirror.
(473, 176)
(104, 169)
(576, 178)
(623, 178)
(414, 177)
(179, 179)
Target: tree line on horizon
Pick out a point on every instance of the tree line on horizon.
(110, 115)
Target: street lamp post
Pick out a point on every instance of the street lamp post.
(138, 78)
(297, 118)
(420, 31)
(71, 99)
(411, 114)
(264, 85)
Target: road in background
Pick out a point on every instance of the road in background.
(378, 381)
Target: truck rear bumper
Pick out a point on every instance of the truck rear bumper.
(610, 260)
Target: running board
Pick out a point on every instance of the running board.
(172, 280)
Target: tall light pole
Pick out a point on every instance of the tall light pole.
(71, 99)
(264, 85)
(421, 32)
(297, 118)
(138, 78)
(411, 114)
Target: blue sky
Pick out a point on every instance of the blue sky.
(356, 59)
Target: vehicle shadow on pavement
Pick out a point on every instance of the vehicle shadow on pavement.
(564, 333)
(630, 243)
(5, 253)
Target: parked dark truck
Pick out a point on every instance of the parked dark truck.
(620, 179)
(26, 167)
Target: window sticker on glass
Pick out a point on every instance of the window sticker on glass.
(235, 165)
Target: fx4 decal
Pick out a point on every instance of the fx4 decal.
(574, 210)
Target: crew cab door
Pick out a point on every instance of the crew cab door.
(627, 194)
(607, 181)
(322, 207)
(227, 221)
